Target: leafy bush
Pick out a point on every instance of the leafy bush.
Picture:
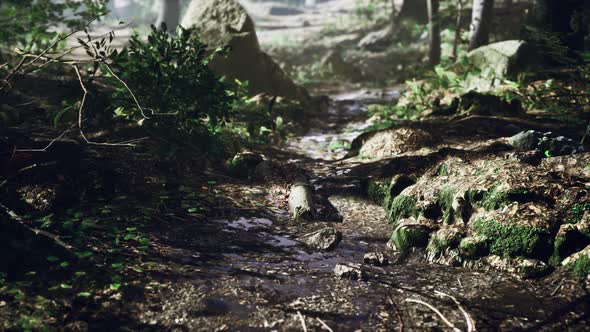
(180, 99)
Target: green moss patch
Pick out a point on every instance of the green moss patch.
(510, 240)
(402, 207)
(377, 190)
(438, 244)
(564, 246)
(582, 266)
(576, 212)
(473, 247)
(445, 199)
(405, 237)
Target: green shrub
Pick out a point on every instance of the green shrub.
(183, 101)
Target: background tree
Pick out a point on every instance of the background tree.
(567, 19)
(481, 20)
(415, 9)
(434, 31)
(169, 13)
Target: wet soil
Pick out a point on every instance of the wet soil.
(249, 272)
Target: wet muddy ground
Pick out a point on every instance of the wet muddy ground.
(250, 273)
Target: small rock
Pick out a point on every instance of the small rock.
(350, 271)
(263, 170)
(244, 163)
(376, 259)
(410, 233)
(473, 247)
(548, 143)
(523, 267)
(377, 40)
(336, 63)
(324, 239)
(2, 304)
(284, 11)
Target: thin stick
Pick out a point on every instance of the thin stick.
(51, 236)
(397, 313)
(468, 319)
(128, 89)
(48, 145)
(80, 113)
(324, 325)
(436, 311)
(302, 320)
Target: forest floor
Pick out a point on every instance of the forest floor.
(181, 246)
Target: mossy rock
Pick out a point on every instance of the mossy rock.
(445, 199)
(409, 233)
(473, 247)
(402, 206)
(514, 240)
(243, 164)
(582, 266)
(443, 239)
(568, 241)
(579, 262)
(377, 189)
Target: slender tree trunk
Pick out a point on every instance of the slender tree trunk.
(458, 28)
(416, 9)
(566, 17)
(481, 20)
(169, 13)
(434, 31)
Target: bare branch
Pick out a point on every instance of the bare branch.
(128, 89)
(302, 320)
(324, 325)
(436, 311)
(468, 319)
(36, 231)
(81, 112)
(48, 145)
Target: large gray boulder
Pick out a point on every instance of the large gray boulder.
(226, 23)
(501, 60)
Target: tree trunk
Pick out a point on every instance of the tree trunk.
(434, 31)
(169, 13)
(481, 20)
(566, 18)
(416, 9)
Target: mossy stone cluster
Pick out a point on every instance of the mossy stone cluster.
(474, 247)
(406, 236)
(402, 206)
(513, 240)
(444, 239)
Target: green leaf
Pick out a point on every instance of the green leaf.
(52, 259)
(84, 254)
(84, 294)
(115, 286)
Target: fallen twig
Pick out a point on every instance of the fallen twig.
(397, 313)
(436, 311)
(468, 319)
(81, 112)
(302, 320)
(46, 234)
(324, 325)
